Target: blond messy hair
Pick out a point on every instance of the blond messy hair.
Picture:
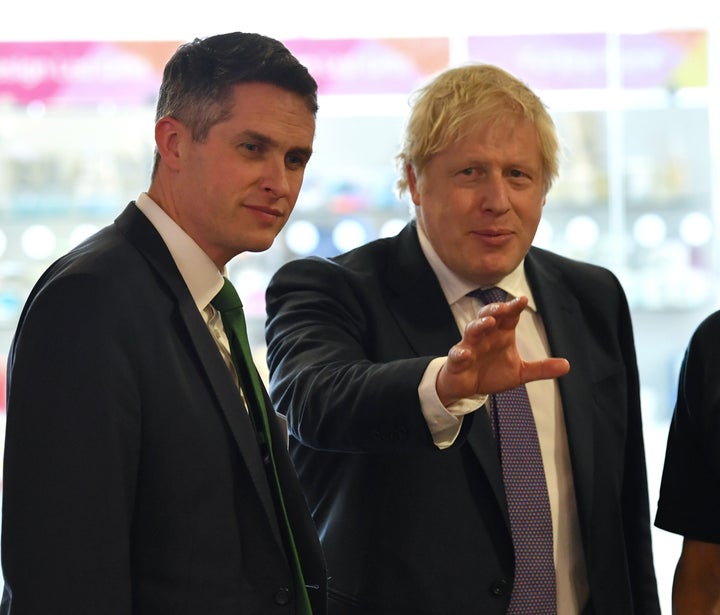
(443, 110)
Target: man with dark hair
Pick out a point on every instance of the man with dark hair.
(145, 468)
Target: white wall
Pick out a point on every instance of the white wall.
(179, 20)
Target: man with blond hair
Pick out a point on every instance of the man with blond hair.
(439, 483)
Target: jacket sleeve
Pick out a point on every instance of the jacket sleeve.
(328, 333)
(71, 454)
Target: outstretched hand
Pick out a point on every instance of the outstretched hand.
(486, 360)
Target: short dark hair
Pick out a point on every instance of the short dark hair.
(198, 79)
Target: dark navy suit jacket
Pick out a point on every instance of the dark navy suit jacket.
(408, 528)
(133, 480)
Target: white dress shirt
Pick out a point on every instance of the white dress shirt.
(199, 272)
(544, 395)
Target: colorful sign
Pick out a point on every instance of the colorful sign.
(130, 72)
(371, 66)
(576, 61)
(664, 59)
(82, 72)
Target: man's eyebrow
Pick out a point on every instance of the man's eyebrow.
(257, 136)
(270, 142)
(305, 152)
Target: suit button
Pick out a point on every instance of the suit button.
(499, 588)
(282, 596)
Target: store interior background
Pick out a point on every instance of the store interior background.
(633, 87)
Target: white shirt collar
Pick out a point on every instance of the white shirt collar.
(202, 277)
(455, 288)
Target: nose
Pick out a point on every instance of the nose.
(274, 178)
(494, 193)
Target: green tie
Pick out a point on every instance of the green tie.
(229, 305)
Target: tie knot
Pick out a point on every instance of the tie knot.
(489, 295)
(227, 299)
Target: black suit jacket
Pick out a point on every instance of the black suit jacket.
(407, 528)
(133, 480)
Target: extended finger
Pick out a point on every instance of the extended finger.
(544, 369)
(507, 314)
(478, 330)
(515, 305)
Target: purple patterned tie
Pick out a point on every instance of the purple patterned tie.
(526, 494)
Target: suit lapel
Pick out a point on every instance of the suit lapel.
(422, 313)
(140, 232)
(562, 317)
(416, 299)
(230, 401)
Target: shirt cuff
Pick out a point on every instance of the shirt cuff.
(443, 422)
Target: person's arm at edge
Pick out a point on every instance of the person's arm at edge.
(696, 586)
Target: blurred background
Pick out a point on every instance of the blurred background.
(634, 88)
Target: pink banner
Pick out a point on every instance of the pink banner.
(82, 72)
(130, 73)
(371, 66)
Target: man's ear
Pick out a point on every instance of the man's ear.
(169, 137)
(412, 183)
